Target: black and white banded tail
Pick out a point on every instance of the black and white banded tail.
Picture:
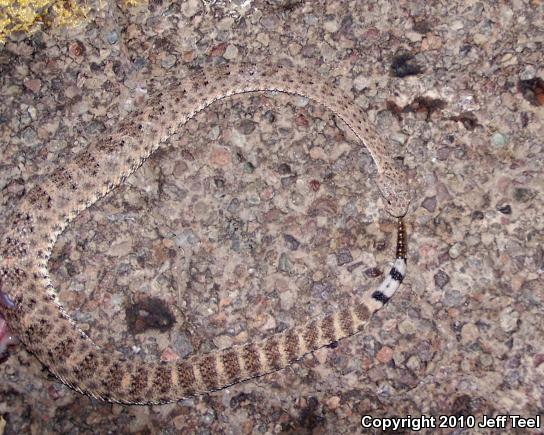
(397, 273)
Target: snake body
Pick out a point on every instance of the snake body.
(28, 300)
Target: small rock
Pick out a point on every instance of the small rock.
(269, 116)
(508, 319)
(343, 257)
(486, 360)
(169, 61)
(315, 185)
(33, 85)
(182, 344)
(168, 355)
(404, 65)
(263, 39)
(354, 266)
(284, 264)
(373, 272)
(323, 289)
(441, 278)
(429, 204)
(413, 363)
(317, 153)
(453, 298)
(246, 126)
(190, 8)
(249, 168)
(231, 52)
(76, 49)
(112, 37)
(302, 121)
(220, 157)
(469, 333)
(284, 169)
(385, 354)
(443, 153)
(331, 26)
(288, 181)
(457, 25)
(233, 205)
(292, 243)
(407, 327)
(120, 248)
(219, 49)
(413, 36)
(523, 194)
(149, 313)
(333, 402)
(456, 250)
(287, 300)
(477, 215)
(499, 140)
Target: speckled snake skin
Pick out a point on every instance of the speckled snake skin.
(28, 300)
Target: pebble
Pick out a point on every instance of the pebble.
(508, 319)
(112, 37)
(181, 343)
(457, 25)
(231, 52)
(190, 8)
(288, 181)
(220, 156)
(456, 250)
(477, 215)
(523, 194)
(453, 298)
(33, 85)
(499, 140)
(407, 327)
(284, 169)
(441, 278)
(292, 243)
(333, 402)
(168, 355)
(287, 300)
(331, 26)
(246, 126)
(318, 153)
(372, 272)
(120, 248)
(343, 257)
(413, 363)
(413, 36)
(429, 204)
(469, 333)
(248, 168)
(263, 39)
(169, 61)
(284, 264)
(385, 354)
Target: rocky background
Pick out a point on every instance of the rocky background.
(262, 211)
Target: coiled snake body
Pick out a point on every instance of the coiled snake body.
(27, 298)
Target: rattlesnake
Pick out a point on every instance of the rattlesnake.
(28, 300)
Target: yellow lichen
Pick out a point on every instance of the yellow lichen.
(28, 15)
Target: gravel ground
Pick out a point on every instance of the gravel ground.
(262, 212)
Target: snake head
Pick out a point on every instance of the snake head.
(396, 193)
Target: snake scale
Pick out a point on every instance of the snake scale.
(29, 302)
